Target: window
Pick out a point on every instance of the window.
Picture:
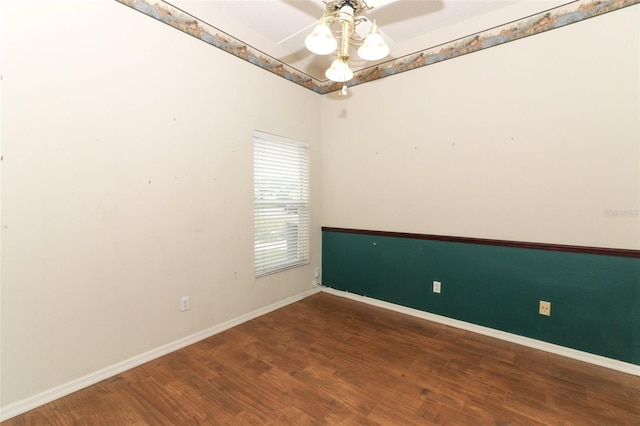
(281, 203)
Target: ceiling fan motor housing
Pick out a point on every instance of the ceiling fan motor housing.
(357, 5)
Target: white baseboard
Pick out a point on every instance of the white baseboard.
(30, 403)
(613, 364)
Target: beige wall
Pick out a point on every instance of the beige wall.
(127, 184)
(535, 140)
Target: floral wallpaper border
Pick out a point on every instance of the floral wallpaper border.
(569, 13)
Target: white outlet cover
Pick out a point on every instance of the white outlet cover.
(184, 304)
(437, 286)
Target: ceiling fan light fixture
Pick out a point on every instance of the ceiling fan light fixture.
(373, 47)
(347, 15)
(321, 41)
(339, 71)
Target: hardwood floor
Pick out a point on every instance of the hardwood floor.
(329, 360)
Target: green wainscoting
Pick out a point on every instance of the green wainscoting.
(595, 297)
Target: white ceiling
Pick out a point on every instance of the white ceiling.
(413, 25)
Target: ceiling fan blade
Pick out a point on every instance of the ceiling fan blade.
(297, 34)
(379, 3)
(296, 40)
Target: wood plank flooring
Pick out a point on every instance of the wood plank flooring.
(329, 360)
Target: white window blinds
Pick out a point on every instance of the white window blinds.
(281, 203)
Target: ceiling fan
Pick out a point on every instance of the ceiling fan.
(350, 27)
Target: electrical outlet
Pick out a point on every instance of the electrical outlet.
(545, 308)
(314, 283)
(436, 286)
(184, 304)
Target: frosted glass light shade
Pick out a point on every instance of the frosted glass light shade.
(339, 71)
(321, 41)
(373, 48)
